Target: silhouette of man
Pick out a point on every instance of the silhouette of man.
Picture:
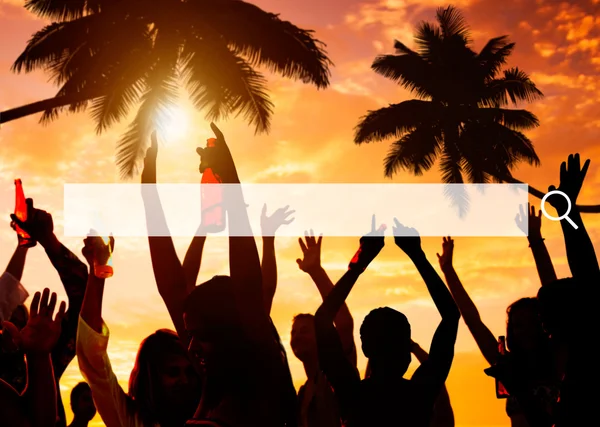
(82, 405)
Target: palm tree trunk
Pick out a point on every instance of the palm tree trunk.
(540, 194)
(41, 106)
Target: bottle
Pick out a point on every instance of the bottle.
(25, 239)
(501, 392)
(355, 259)
(104, 271)
(212, 214)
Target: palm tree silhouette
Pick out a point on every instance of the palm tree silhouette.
(115, 55)
(460, 117)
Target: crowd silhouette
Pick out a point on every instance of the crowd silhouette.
(224, 365)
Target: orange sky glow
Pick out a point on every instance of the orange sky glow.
(557, 43)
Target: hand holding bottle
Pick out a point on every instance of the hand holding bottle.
(22, 213)
(217, 157)
(370, 246)
(98, 253)
(38, 224)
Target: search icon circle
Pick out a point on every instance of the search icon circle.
(565, 215)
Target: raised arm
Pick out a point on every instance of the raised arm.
(111, 401)
(193, 260)
(168, 271)
(541, 256)
(443, 414)
(485, 339)
(311, 264)
(244, 262)
(73, 275)
(12, 292)
(16, 264)
(580, 250)
(37, 339)
(269, 225)
(340, 372)
(433, 373)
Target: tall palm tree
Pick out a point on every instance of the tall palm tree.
(460, 116)
(113, 55)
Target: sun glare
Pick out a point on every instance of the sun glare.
(175, 124)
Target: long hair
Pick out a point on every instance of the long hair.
(214, 302)
(145, 388)
(290, 410)
(542, 351)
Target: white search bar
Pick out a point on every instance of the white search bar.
(331, 209)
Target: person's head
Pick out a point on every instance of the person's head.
(303, 338)
(556, 301)
(213, 325)
(82, 403)
(524, 330)
(20, 316)
(385, 336)
(163, 380)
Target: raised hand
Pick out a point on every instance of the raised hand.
(96, 251)
(42, 331)
(572, 176)
(445, 258)
(530, 224)
(218, 158)
(407, 238)
(370, 246)
(270, 224)
(311, 251)
(39, 224)
(152, 151)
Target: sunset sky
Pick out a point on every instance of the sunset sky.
(557, 43)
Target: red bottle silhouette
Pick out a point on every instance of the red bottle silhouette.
(25, 239)
(104, 271)
(213, 214)
(501, 392)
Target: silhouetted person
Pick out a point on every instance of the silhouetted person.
(82, 405)
(569, 308)
(318, 406)
(386, 398)
(443, 414)
(528, 368)
(233, 341)
(164, 388)
(73, 275)
(36, 405)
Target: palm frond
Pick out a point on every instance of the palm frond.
(396, 119)
(402, 49)
(450, 166)
(415, 152)
(512, 119)
(494, 55)
(410, 71)
(428, 39)
(57, 9)
(264, 39)
(224, 82)
(160, 93)
(114, 106)
(514, 86)
(519, 146)
(452, 23)
(47, 45)
(155, 102)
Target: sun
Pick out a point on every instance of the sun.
(174, 124)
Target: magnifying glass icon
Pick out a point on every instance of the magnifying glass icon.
(565, 215)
